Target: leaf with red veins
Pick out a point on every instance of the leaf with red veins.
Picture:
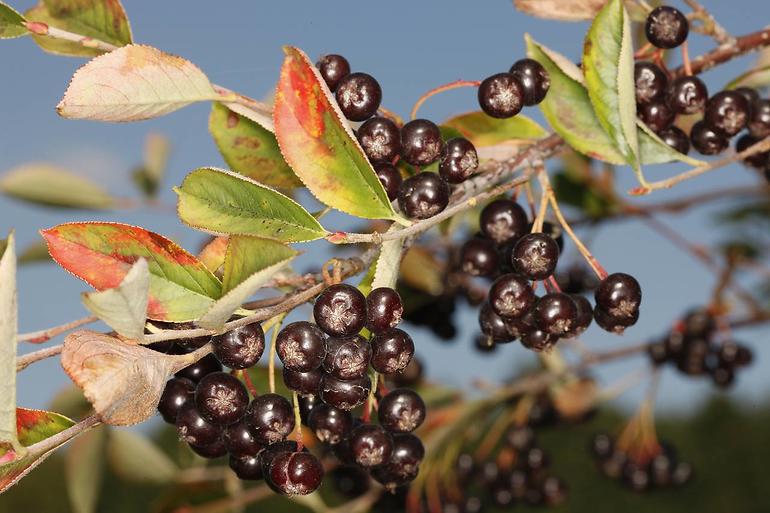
(181, 287)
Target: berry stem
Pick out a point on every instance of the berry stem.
(643, 52)
(686, 60)
(271, 355)
(249, 383)
(587, 255)
(297, 421)
(710, 25)
(371, 402)
(440, 89)
(530, 199)
(537, 224)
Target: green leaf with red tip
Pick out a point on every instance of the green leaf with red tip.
(33, 426)
(483, 130)
(222, 202)
(250, 149)
(101, 254)
(11, 22)
(318, 144)
(104, 20)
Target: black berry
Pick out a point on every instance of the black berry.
(392, 351)
(383, 309)
(538, 340)
(271, 417)
(240, 348)
(758, 160)
(706, 140)
(420, 142)
(193, 428)
(347, 357)
(330, 424)
(511, 296)
(380, 139)
(211, 451)
(666, 27)
(619, 295)
(459, 160)
(556, 313)
(246, 467)
(533, 78)
(585, 314)
(501, 95)
(656, 115)
(342, 394)
(687, 95)
(751, 95)
(503, 220)
(390, 177)
(201, 368)
(340, 310)
(479, 257)
(535, 256)
(370, 445)
(221, 398)
(295, 473)
(239, 439)
(727, 112)
(613, 324)
(301, 346)
(676, 138)
(177, 392)
(404, 463)
(358, 95)
(650, 82)
(423, 195)
(304, 383)
(333, 68)
(759, 121)
(401, 411)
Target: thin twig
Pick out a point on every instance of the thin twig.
(22, 362)
(711, 26)
(38, 337)
(440, 89)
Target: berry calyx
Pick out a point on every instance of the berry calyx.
(423, 195)
(380, 138)
(340, 310)
(370, 445)
(535, 256)
(401, 411)
(221, 398)
(347, 357)
(295, 473)
(459, 160)
(501, 95)
(619, 295)
(420, 142)
(533, 78)
(511, 296)
(358, 95)
(556, 313)
(240, 348)
(392, 351)
(330, 424)
(384, 309)
(666, 27)
(503, 220)
(301, 346)
(727, 112)
(333, 68)
(687, 95)
(271, 417)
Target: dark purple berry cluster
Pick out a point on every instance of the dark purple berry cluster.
(692, 347)
(724, 115)
(519, 473)
(658, 467)
(418, 143)
(517, 259)
(503, 95)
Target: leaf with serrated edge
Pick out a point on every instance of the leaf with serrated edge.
(655, 151)
(570, 10)
(319, 145)
(133, 83)
(569, 112)
(124, 308)
(260, 114)
(101, 254)
(96, 19)
(83, 470)
(388, 263)
(49, 185)
(213, 254)
(136, 459)
(249, 149)
(11, 22)
(33, 426)
(8, 333)
(483, 130)
(122, 381)
(222, 202)
(608, 68)
(250, 262)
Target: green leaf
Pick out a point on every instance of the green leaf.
(250, 149)
(134, 83)
(124, 308)
(578, 193)
(49, 185)
(655, 151)
(149, 176)
(136, 459)
(8, 333)
(319, 145)
(34, 426)
(11, 22)
(96, 19)
(36, 252)
(250, 262)
(608, 67)
(101, 254)
(757, 78)
(569, 112)
(483, 130)
(221, 202)
(83, 470)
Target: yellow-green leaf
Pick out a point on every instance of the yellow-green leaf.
(11, 22)
(135, 458)
(483, 130)
(49, 185)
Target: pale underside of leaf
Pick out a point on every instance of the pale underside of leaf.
(50, 185)
(8, 334)
(122, 381)
(124, 308)
(260, 114)
(388, 262)
(569, 10)
(133, 83)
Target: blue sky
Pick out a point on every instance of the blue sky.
(410, 47)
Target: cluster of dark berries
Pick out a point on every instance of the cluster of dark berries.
(418, 143)
(725, 114)
(503, 95)
(212, 413)
(657, 467)
(518, 474)
(507, 250)
(692, 348)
